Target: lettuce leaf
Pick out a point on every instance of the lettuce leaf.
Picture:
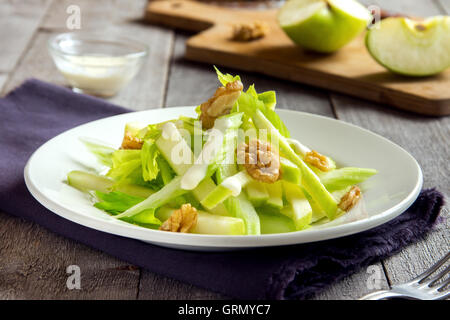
(149, 155)
(102, 152)
(117, 202)
(127, 169)
(226, 78)
(250, 101)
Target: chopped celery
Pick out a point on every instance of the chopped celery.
(275, 223)
(240, 207)
(216, 197)
(84, 181)
(166, 171)
(209, 223)
(275, 191)
(166, 147)
(164, 195)
(299, 209)
(317, 212)
(203, 189)
(149, 163)
(175, 149)
(257, 193)
(289, 171)
(115, 202)
(212, 152)
(310, 180)
(269, 98)
(230, 186)
(146, 217)
(344, 177)
(225, 78)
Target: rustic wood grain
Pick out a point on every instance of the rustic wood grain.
(145, 91)
(34, 261)
(426, 139)
(277, 56)
(444, 5)
(94, 16)
(3, 78)
(37, 271)
(18, 23)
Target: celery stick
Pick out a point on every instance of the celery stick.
(203, 189)
(317, 212)
(275, 223)
(165, 169)
(175, 148)
(240, 207)
(310, 180)
(167, 193)
(257, 193)
(84, 181)
(300, 212)
(209, 223)
(216, 197)
(213, 150)
(344, 177)
(299, 209)
(275, 191)
(230, 186)
(289, 171)
(166, 145)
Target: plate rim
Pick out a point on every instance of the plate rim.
(196, 241)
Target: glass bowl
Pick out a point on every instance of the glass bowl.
(97, 64)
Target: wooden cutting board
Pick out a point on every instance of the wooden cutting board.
(351, 70)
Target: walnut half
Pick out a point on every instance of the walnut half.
(131, 142)
(181, 220)
(220, 103)
(318, 160)
(259, 160)
(249, 31)
(349, 200)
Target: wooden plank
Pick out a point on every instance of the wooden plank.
(34, 264)
(145, 91)
(94, 17)
(426, 139)
(444, 5)
(156, 287)
(34, 261)
(3, 78)
(18, 23)
(277, 56)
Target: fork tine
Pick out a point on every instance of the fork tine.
(432, 269)
(442, 296)
(443, 285)
(439, 276)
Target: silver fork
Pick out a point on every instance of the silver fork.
(423, 287)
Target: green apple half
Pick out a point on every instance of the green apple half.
(323, 25)
(409, 47)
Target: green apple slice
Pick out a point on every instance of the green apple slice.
(323, 25)
(408, 47)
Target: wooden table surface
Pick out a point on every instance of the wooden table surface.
(33, 261)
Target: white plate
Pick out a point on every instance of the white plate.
(387, 194)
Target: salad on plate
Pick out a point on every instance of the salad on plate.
(232, 170)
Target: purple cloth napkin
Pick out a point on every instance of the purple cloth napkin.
(38, 111)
